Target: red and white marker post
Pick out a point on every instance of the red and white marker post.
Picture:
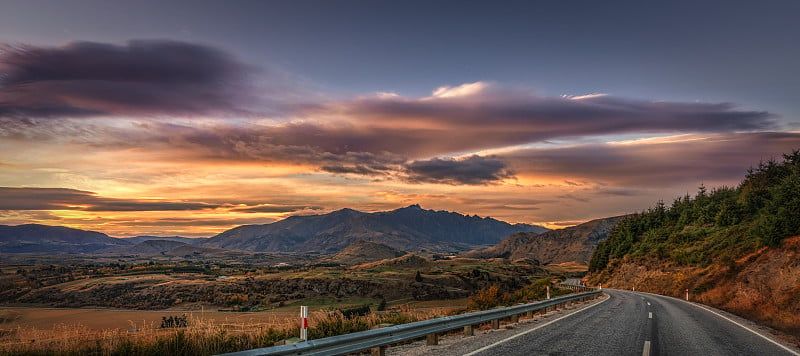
(304, 322)
(687, 294)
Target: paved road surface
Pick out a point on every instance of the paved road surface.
(630, 323)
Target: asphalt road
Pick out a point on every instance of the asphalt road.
(631, 323)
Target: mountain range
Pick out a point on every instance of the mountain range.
(410, 229)
(56, 239)
(35, 238)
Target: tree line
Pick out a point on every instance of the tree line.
(721, 224)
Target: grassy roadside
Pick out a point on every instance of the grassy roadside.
(206, 337)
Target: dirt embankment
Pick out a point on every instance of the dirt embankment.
(763, 286)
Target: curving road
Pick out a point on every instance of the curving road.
(630, 323)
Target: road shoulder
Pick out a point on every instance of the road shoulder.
(457, 344)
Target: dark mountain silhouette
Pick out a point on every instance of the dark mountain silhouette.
(34, 238)
(411, 229)
(572, 244)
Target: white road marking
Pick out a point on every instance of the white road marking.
(748, 329)
(701, 306)
(482, 349)
(646, 349)
(650, 315)
(648, 304)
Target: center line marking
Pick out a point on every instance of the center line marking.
(650, 315)
(646, 349)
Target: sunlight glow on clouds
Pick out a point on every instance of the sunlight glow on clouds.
(468, 89)
(187, 146)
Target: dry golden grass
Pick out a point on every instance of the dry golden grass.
(203, 336)
(99, 319)
(567, 267)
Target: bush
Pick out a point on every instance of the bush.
(486, 298)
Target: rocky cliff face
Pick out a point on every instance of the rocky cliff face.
(762, 286)
(572, 244)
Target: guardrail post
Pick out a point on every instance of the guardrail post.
(515, 318)
(378, 351)
(304, 322)
(469, 331)
(432, 339)
(496, 324)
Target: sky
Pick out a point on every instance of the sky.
(192, 117)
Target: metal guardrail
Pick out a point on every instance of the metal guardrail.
(575, 287)
(349, 343)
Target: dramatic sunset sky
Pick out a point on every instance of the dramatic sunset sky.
(192, 117)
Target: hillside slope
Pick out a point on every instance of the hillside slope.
(411, 229)
(34, 238)
(732, 248)
(187, 240)
(572, 244)
(148, 247)
(362, 251)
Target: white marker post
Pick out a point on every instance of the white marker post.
(548, 292)
(304, 323)
(687, 294)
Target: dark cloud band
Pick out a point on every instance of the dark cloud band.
(471, 170)
(72, 199)
(143, 77)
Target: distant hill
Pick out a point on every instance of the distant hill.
(187, 240)
(186, 249)
(34, 238)
(572, 244)
(165, 248)
(147, 247)
(406, 261)
(362, 251)
(411, 229)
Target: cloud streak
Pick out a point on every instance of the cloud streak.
(657, 162)
(73, 199)
(481, 115)
(142, 77)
